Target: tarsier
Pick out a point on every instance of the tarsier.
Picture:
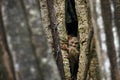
(71, 24)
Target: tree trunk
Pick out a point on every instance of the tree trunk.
(31, 56)
(56, 43)
(105, 30)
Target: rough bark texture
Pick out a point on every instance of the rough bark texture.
(83, 28)
(56, 43)
(46, 21)
(23, 42)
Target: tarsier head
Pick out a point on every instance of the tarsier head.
(73, 47)
(73, 41)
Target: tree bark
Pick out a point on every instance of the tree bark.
(31, 56)
(6, 72)
(104, 26)
(116, 4)
(56, 43)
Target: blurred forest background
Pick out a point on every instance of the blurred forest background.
(28, 42)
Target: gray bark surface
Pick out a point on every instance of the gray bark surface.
(105, 30)
(31, 56)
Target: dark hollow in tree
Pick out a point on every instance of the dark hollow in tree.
(71, 20)
(71, 24)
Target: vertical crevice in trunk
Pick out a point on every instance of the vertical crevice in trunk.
(71, 24)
